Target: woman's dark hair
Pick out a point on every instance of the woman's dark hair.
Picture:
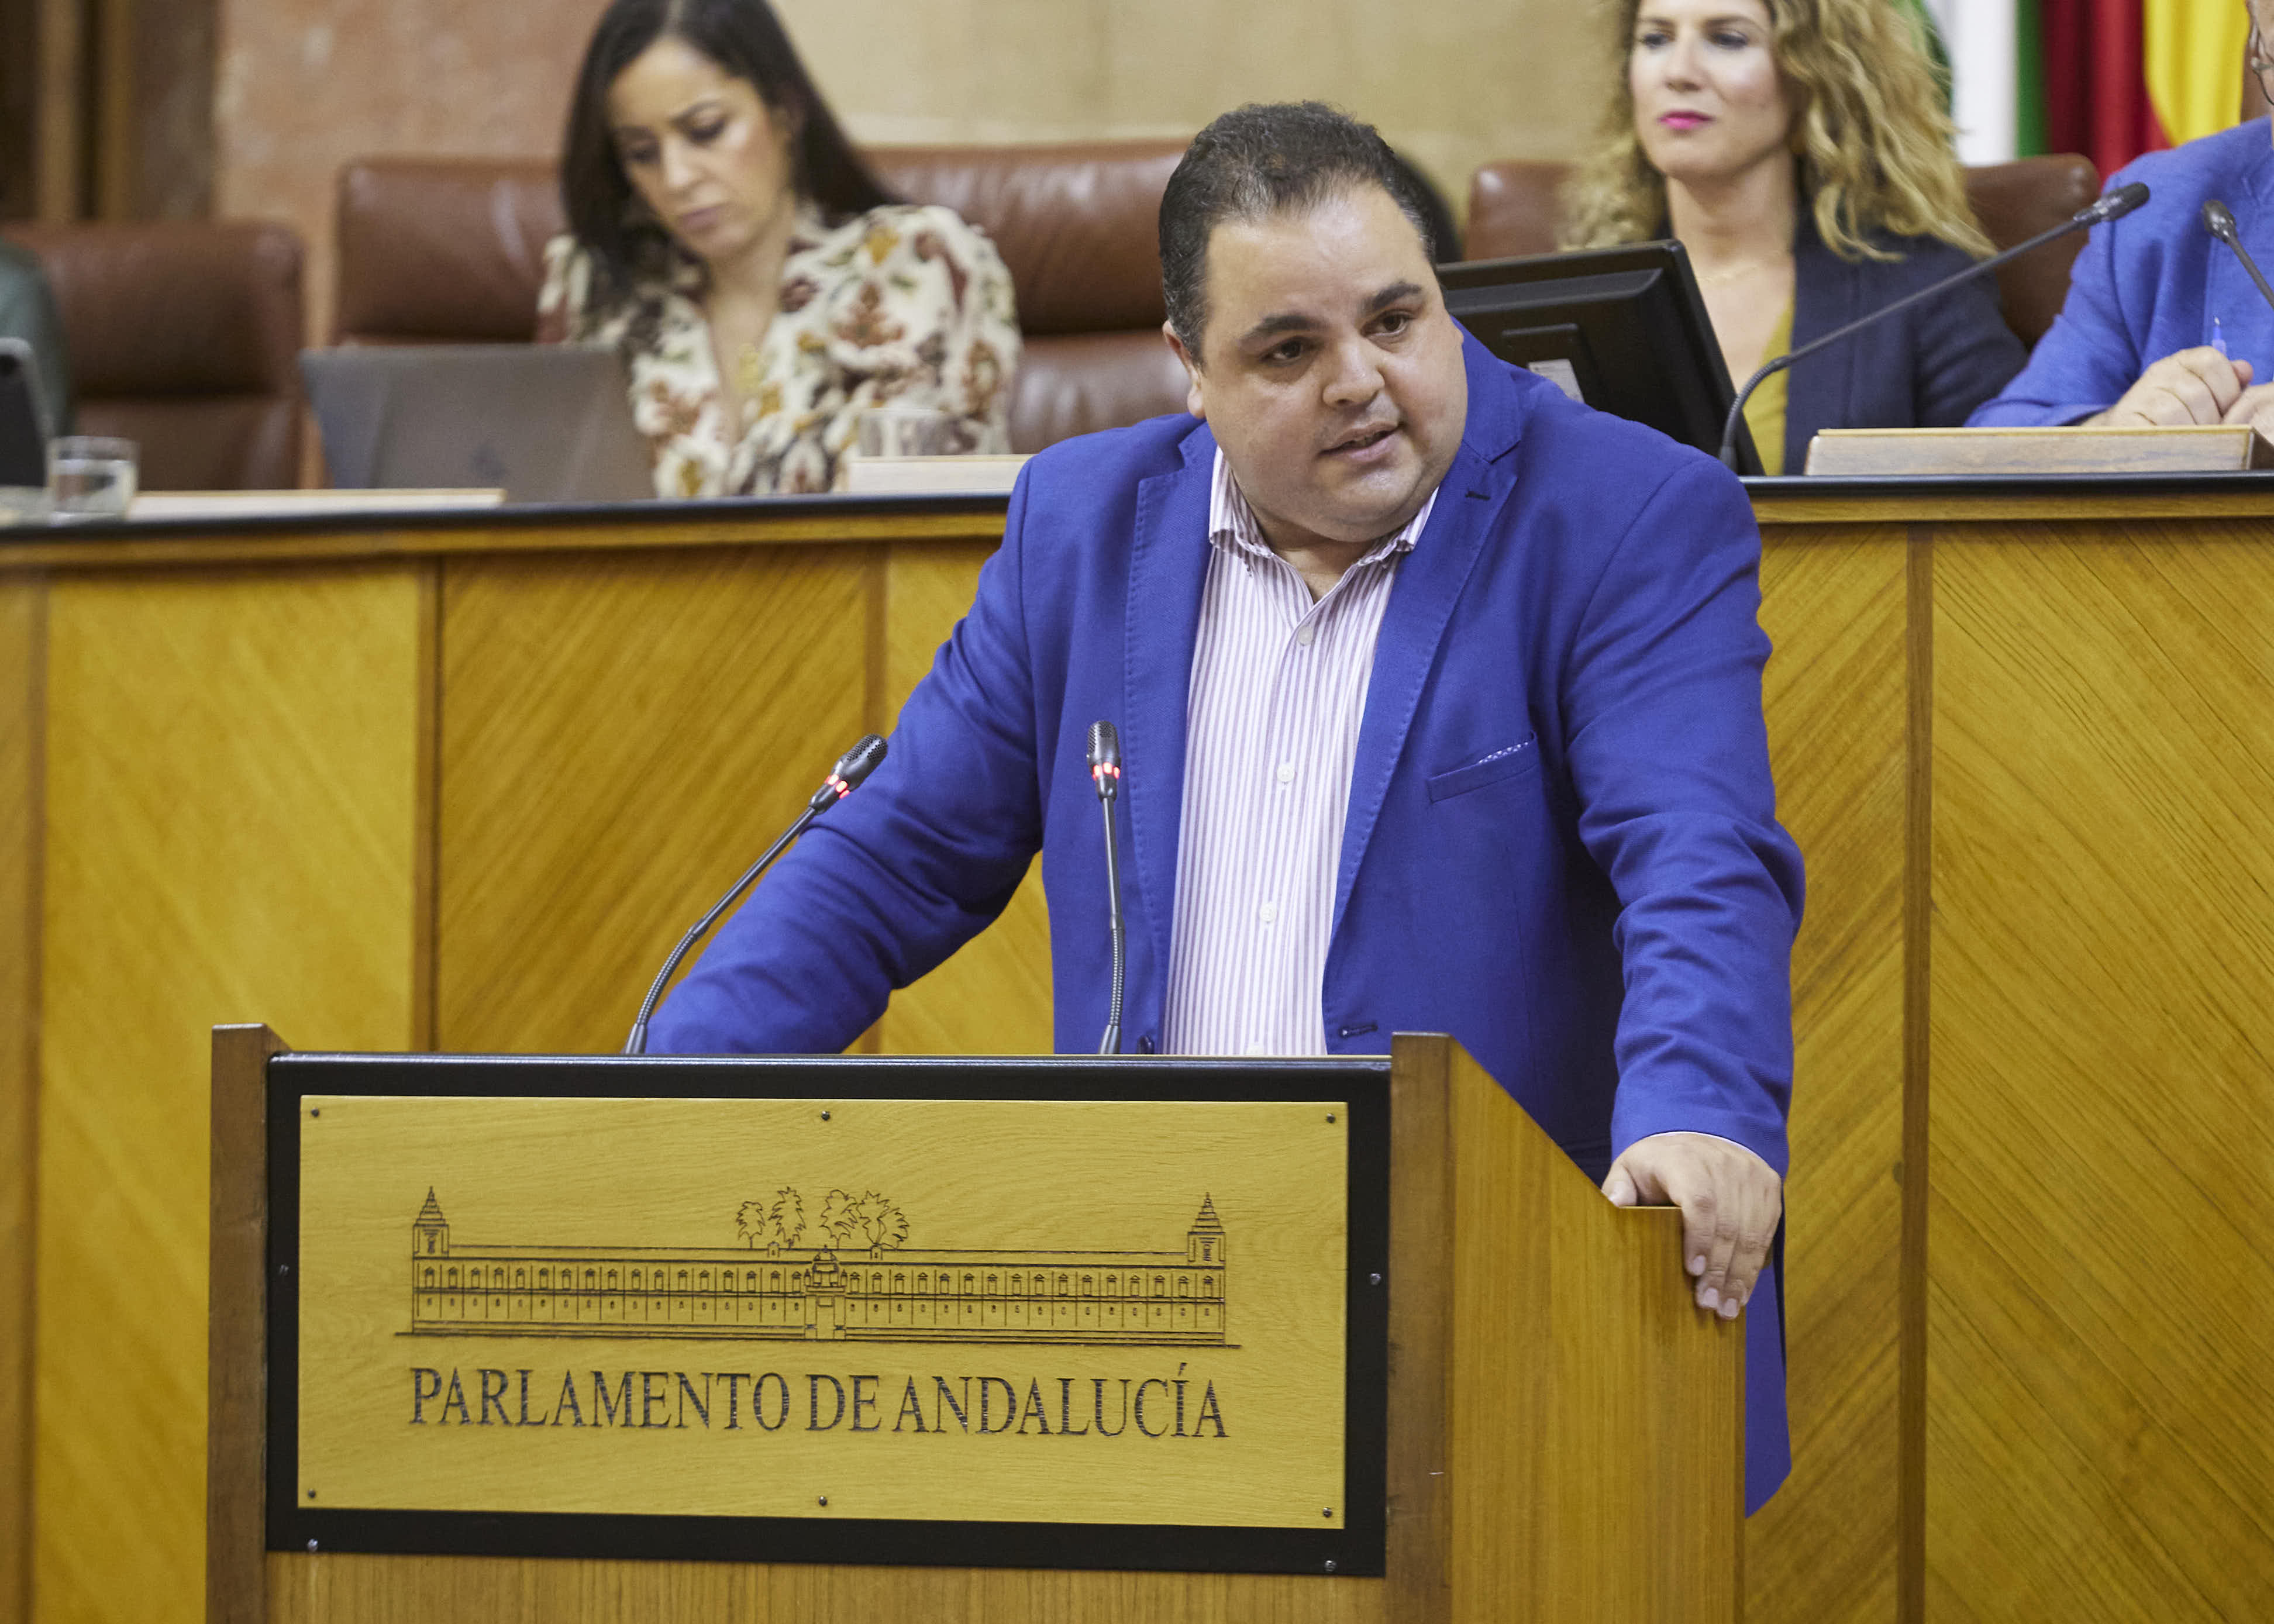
(746, 40)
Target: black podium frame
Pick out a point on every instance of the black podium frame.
(1357, 1549)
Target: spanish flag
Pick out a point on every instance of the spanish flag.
(2109, 78)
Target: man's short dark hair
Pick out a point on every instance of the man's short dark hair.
(1262, 160)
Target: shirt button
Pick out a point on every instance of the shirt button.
(1303, 634)
(1269, 911)
(1286, 772)
(1255, 1049)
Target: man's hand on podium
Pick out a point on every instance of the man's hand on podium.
(2198, 385)
(1729, 1199)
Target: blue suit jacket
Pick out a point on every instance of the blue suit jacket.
(2155, 282)
(1562, 844)
(1926, 367)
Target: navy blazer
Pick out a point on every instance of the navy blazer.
(2155, 282)
(1927, 367)
(1562, 844)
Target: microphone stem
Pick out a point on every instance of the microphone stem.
(1111, 1042)
(2248, 264)
(636, 1044)
(1933, 290)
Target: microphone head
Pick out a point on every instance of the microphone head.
(2218, 220)
(851, 767)
(1104, 747)
(2116, 205)
(858, 762)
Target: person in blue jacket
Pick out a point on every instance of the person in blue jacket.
(1440, 704)
(2163, 324)
(1802, 155)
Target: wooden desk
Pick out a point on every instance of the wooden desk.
(460, 784)
(2026, 739)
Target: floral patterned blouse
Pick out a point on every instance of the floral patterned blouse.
(906, 303)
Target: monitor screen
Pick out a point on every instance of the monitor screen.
(1621, 328)
(23, 444)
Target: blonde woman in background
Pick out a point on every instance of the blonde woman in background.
(1800, 151)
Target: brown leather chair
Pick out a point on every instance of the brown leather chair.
(450, 250)
(443, 250)
(2014, 201)
(183, 337)
(1079, 226)
(1512, 211)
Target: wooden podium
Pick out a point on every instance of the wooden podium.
(1456, 1384)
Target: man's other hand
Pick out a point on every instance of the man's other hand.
(1729, 1199)
(2191, 386)
(2254, 406)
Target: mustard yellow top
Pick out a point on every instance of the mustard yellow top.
(1764, 412)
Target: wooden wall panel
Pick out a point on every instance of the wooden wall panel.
(60, 145)
(228, 838)
(994, 996)
(373, 1589)
(1835, 607)
(23, 606)
(621, 736)
(167, 127)
(19, 109)
(2101, 1304)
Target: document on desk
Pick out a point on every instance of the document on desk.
(302, 504)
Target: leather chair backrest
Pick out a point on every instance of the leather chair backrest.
(444, 251)
(2014, 201)
(450, 250)
(1512, 209)
(1078, 226)
(184, 336)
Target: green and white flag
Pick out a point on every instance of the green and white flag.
(1997, 99)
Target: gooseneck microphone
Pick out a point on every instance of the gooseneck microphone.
(2115, 206)
(852, 769)
(1105, 773)
(2218, 220)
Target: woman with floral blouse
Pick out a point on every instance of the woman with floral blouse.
(762, 288)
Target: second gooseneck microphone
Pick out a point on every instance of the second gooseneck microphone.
(2116, 205)
(852, 768)
(1105, 773)
(2218, 220)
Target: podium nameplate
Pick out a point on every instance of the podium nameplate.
(989, 1313)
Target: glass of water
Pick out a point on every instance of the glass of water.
(90, 477)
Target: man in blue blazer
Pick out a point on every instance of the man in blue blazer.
(1555, 836)
(2161, 324)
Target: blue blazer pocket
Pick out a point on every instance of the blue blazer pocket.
(1508, 762)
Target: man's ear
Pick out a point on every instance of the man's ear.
(1196, 400)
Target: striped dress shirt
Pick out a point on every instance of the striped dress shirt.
(1278, 691)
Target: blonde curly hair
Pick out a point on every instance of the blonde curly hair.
(1870, 134)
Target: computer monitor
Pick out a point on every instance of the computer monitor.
(1621, 328)
(22, 437)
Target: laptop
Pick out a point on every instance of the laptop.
(548, 423)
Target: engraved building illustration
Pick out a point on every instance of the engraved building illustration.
(877, 1293)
